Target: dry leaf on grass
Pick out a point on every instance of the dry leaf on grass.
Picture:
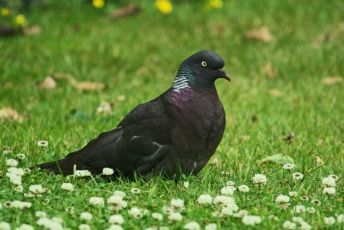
(131, 9)
(261, 34)
(269, 70)
(89, 86)
(276, 93)
(332, 80)
(32, 30)
(82, 85)
(48, 83)
(10, 114)
(319, 161)
(334, 33)
(104, 108)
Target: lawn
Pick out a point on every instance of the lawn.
(285, 97)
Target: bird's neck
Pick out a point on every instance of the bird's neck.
(184, 79)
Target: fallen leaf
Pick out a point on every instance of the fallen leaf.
(331, 80)
(10, 114)
(32, 30)
(48, 83)
(269, 71)
(84, 85)
(261, 34)
(104, 108)
(276, 93)
(89, 86)
(121, 98)
(131, 9)
(277, 159)
(319, 161)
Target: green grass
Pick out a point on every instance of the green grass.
(138, 57)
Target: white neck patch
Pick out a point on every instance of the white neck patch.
(180, 83)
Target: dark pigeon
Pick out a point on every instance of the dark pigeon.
(175, 133)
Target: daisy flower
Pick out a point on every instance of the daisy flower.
(107, 171)
(42, 143)
(297, 176)
(135, 191)
(329, 220)
(67, 187)
(259, 179)
(288, 166)
(157, 216)
(11, 162)
(116, 219)
(177, 204)
(228, 190)
(175, 216)
(211, 226)
(329, 191)
(205, 199)
(243, 188)
(193, 225)
(86, 216)
(251, 220)
(328, 182)
(96, 201)
(136, 212)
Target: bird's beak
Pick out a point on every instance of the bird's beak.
(222, 74)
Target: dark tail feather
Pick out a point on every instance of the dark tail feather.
(65, 166)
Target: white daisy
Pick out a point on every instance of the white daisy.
(82, 173)
(107, 171)
(177, 204)
(251, 220)
(11, 162)
(96, 201)
(186, 184)
(292, 194)
(193, 225)
(299, 208)
(175, 216)
(205, 199)
(84, 227)
(259, 179)
(5, 226)
(136, 212)
(329, 191)
(228, 190)
(297, 176)
(67, 186)
(116, 219)
(86, 216)
(288, 166)
(157, 216)
(243, 188)
(289, 225)
(328, 182)
(282, 199)
(42, 143)
(211, 226)
(135, 191)
(24, 227)
(329, 220)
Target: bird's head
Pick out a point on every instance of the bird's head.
(201, 68)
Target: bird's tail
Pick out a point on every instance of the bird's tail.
(65, 166)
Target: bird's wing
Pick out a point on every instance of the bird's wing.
(139, 142)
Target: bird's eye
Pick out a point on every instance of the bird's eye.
(204, 63)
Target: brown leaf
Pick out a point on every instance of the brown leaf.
(32, 30)
(261, 34)
(319, 161)
(276, 93)
(89, 86)
(269, 70)
(10, 114)
(48, 83)
(83, 85)
(131, 9)
(331, 80)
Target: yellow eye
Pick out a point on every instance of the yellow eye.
(204, 63)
